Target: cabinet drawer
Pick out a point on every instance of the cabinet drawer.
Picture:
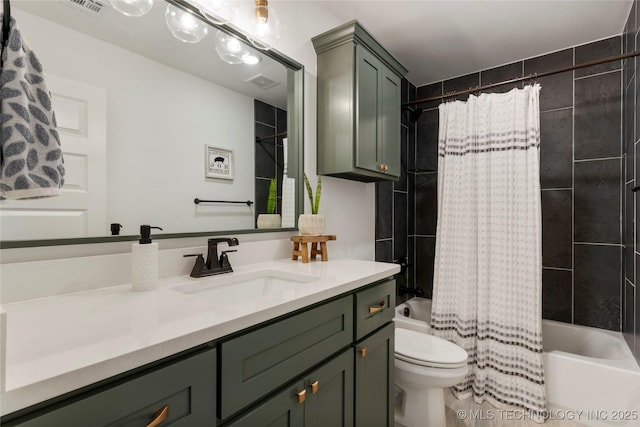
(375, 306)
(258, 362)
(186, 387)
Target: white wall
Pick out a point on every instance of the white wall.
(348, 206)
(156, 115)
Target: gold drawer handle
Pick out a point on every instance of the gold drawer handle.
(160, 416)
(302, 396)
(314, 387)
(363, 352)
(377, 308)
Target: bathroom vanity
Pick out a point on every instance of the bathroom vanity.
(308, 343)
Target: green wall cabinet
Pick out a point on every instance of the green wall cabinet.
(358, 106)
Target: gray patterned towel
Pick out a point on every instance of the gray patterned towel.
(31, 163)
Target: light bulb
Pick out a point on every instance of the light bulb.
(252, 59)
(264, 26)
(218, 11)
(230, 49)
(132, 7)
(185, 26)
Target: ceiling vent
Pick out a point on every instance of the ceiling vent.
(262, 81)
(91, 6)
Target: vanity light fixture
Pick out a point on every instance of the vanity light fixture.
(184, 25)
(230, 49)
(218, 11)
(132, 7)
(264, 26)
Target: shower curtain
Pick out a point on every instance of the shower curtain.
(488, 265)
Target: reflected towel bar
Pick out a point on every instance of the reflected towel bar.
(198, 201)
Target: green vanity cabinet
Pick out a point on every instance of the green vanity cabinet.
(258, 362)
(328, 364)
(374, 379)
(181, 393)
(359, 106)
(324, 397)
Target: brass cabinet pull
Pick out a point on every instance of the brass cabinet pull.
(160, 416)
(363, 352)
(377, 308)
(314, 387)
(302, 396)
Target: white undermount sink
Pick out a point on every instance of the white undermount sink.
(235, 286)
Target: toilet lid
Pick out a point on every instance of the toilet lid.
(428, 350)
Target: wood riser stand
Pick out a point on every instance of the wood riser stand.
(301, 249)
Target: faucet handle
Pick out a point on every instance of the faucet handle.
(198, 267)
(189, 255)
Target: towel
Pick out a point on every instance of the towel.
(31, 163)
(288, 192)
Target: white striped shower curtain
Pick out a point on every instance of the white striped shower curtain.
(488, 266)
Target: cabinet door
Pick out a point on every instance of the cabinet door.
(389, 142)
(375, 379)
(368, 77)
(330, 393)
(284, 409)
(186, 389)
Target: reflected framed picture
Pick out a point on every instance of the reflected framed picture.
(218, 162)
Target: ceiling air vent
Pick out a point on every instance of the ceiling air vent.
(92, 6)
(262, 81)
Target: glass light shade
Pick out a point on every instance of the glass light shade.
(264, 27)
(230, 49)
(132, 7)
(218, 11)
(184, 25)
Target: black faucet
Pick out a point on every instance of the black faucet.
(213, 264)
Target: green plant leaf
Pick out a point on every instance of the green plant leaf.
(314, 205)
(318, 191)
(271, 200)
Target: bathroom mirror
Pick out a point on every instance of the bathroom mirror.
(145, 117)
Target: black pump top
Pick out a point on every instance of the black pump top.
(145, 234)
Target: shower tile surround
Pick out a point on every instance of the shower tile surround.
(269, 120)
(582, 182)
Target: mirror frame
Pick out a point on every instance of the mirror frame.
(295, 136)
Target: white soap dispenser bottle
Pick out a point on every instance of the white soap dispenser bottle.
(144, 261)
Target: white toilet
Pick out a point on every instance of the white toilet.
(425, 366)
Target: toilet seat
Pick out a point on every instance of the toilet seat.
(428, 350)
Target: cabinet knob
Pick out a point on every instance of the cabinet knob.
(377, 308)
(363, 352)
(381, 167)
(302, 396)
(386, 168)
(160, 416)
(314, 387)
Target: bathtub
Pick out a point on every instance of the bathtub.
(591, 377)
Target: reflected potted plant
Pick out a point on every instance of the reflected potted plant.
(312, 224)
(271, 219)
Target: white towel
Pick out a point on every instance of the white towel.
(288, 192)
(31, 163)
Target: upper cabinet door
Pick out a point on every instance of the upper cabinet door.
(369, 121)
(358, 106)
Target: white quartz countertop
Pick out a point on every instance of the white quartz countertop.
(59, 344)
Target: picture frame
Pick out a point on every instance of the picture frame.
(218, 162)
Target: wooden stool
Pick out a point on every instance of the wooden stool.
(300, 248)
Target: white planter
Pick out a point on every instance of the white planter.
(269, 221)
(311, 224)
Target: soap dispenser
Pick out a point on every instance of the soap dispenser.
(144, 261)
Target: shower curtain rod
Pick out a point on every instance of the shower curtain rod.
(520, 79)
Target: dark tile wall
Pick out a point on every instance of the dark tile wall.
(581, 179)
(631, 202)
(269, 121)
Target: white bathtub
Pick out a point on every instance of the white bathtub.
(590, 374)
